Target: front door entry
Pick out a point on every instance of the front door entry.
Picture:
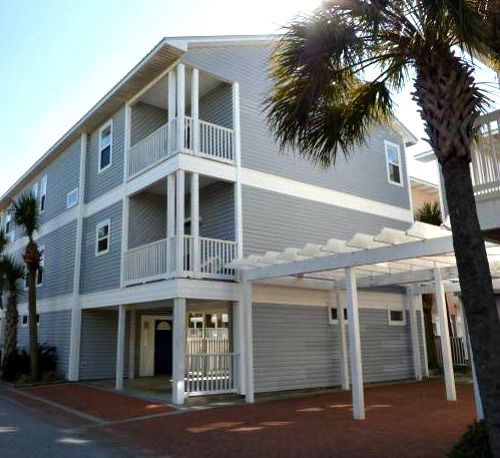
(163, 347)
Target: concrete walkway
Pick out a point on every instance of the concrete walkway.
(403, 420)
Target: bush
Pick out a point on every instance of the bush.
(474, 443)
(18, 366)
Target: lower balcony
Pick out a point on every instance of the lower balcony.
(200, 257)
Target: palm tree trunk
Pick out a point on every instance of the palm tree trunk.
(33, 329)
(10, 341)
(477, 289)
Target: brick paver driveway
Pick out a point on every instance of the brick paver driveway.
(404, 420)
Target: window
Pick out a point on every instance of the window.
(393, 158)
(333, 317)
(25, 321)
(103, 237)
(396, 317)
(105, 146)
(9, 226)
(34, 190)
(43, 193)
(72, 198)
(40, 272)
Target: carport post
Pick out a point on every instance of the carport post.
(246, 299)
(415, 341)
(344, 359)
(358, 399)
(418, 301)
(179, 351)
(449, 376)
(239, 344)
(120, 347)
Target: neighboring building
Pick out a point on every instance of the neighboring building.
(423, 192)
(147, 201)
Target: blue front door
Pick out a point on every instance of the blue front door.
(163, 347)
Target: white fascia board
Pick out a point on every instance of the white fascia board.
(319, 194)
(428, 247)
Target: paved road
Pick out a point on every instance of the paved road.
(26, 433)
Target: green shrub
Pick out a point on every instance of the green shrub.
(18, 366)
(473, 444)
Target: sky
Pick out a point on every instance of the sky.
(59, 57)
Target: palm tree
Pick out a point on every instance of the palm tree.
(3, 244)
(335, 73)
(13, 272)
(430, 213)
(27, 217)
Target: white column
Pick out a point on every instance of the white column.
(246, 300)
(181, 105)
(358, 399)
(195, 95)
(179, 242)
(239, 344)
(419, 306)
(195, 222)
(131, 345)
(344, 359)
(449, 376)
(415, 341)
(179, 351)
(120, 347)
(172, 94)
(170, 223)
(76, 311)
(238, 206)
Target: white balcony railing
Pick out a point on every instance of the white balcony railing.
(156, 261)
(211, 373)
(485, 164)
(212, 141)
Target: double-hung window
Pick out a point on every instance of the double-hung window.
(393, 160)
(103, 237)
(72, 198)
(43, 193)
(105, 146)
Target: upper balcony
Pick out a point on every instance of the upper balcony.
(185, 111)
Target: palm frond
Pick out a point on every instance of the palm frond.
(3, 241)
(14, 272)
(26, 213)
(430, 213)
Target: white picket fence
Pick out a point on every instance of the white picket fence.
(485, 164)
(211, 373)
(459, 353)
(213, 141)
(156, 260)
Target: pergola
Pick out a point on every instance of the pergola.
(420, 259)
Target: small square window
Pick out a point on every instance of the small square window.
(396, 317)
(393, 160)
(105, 146)
(72, 198)
(103, 237)
(25, 320)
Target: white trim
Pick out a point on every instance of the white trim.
(120, 347)
(238, 198)
(104, 201)
(51, 304)
(106, 222)
(107, 124)
(179, 351)
(247, 302)
(320, 194)
(76, 193)
(388, 163)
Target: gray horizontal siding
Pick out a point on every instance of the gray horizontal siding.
(145, 120)
(97, 184)
(148, 219)
(217, 211)
(363, 173)
(101, 272)
(98, 345)
(217, 106)
(273, 221)
(54, 329)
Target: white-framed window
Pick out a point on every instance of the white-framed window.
(333, 317)
(103, 237)
(34, 190)
(43, 193)
(396, 317)
(9, 225)
(105, 146)
(25, 321)
(393, 161)
(72, 198)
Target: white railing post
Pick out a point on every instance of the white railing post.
(195, 223)
(179, 351)
(195, 95)
(170, 222)
(358, 398)
(449, 376)
(179, 243)
(181, 105)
